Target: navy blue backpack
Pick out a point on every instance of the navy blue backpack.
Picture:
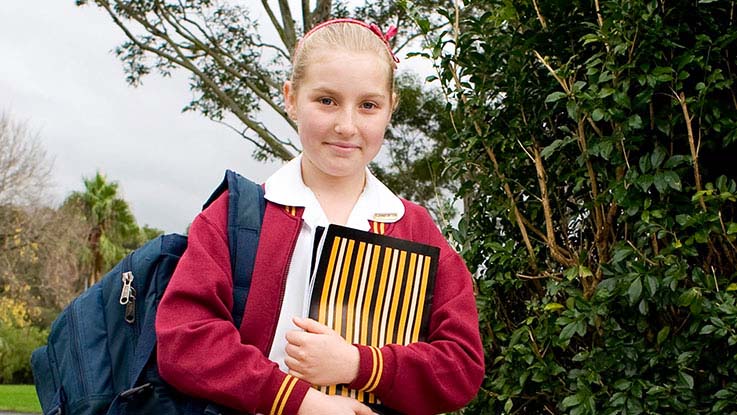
(101, 354)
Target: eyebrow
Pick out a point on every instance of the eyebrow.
(331, 91)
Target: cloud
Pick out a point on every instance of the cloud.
(60, 76)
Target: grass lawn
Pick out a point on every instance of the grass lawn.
(19, 398)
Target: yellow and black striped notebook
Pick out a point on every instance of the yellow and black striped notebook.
(373, 290)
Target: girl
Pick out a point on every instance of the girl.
(341, 95)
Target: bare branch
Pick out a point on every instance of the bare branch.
(290, 33)
(321, 12)
(555, 251)
(681, 97)
(276, 148)
(306, 16)
(562, 83)
(216, 56)
(279, 28)
(24, 164)
(540, 16)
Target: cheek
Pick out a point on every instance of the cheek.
(311, 129)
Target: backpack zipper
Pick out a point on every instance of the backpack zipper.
(128, 297)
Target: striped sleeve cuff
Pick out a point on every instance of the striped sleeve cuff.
(370, 368)
(288, 396)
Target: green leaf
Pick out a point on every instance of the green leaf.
(657, 157)
(660, 182)
(621, 254)
(708, 329)
(732, 287)
(672, 179)
(555, 96)
(508, 406)
(732, 228)
(605, 92)
(687, 379)
(597, 115)
(553, 307)
(687, 298)
(584, 272)
(652, 284)
(635, 290)
(622, 384)
(568, 331)
(569, 401)
(663, 334)
(634, 122)
(555, 145)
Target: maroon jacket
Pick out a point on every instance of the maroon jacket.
(201, 353)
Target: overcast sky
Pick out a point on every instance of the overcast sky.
(59, 76)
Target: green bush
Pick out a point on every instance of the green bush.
(596, 143)
(17, 342)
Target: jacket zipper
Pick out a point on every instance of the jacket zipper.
(275, 320)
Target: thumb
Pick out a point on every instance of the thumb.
(311, 326)
(361, 409)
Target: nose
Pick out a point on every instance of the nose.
(345, 122)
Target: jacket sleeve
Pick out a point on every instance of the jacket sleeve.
(199, 348)
(443, 373)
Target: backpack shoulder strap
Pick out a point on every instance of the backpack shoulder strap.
(246, 205)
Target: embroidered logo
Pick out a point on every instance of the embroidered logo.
(384, 216)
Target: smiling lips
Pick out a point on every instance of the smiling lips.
(343, 146)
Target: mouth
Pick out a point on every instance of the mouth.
(343, 146)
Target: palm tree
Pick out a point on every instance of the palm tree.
(110, 220)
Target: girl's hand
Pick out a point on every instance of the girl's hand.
(319, 355)
(318, 403)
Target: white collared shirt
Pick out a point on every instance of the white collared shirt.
(286, 187)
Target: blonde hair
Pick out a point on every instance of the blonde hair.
(347, 34)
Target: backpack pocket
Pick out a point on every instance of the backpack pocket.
(48, 389)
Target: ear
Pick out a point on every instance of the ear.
(290, 99)
(395, 101)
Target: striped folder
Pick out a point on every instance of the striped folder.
(373, 290)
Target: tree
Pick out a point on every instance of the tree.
(110, 220)
(236, 73)
(24, 172)
(38, 250)
(24, 165)
(596, 141)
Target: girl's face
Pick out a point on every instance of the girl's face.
(342, 108)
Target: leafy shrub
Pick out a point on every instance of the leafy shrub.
(18, 338)
(596, 143)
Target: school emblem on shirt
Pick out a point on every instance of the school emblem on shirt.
(385, 216)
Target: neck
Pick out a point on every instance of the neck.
(336, 195)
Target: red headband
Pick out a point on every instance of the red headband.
(385, 37)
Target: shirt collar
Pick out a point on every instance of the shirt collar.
(377, 203)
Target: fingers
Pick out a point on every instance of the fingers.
(361, 409)
(297, 337)
(294, 351)
(311, 326)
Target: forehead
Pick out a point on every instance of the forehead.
(347, 68)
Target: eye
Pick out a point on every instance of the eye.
(368, 105)
(326, 101)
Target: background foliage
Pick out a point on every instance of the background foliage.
(596, 142)
(49, 254)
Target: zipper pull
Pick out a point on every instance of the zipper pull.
(125, 293)
(130, 308)
(128, 297)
